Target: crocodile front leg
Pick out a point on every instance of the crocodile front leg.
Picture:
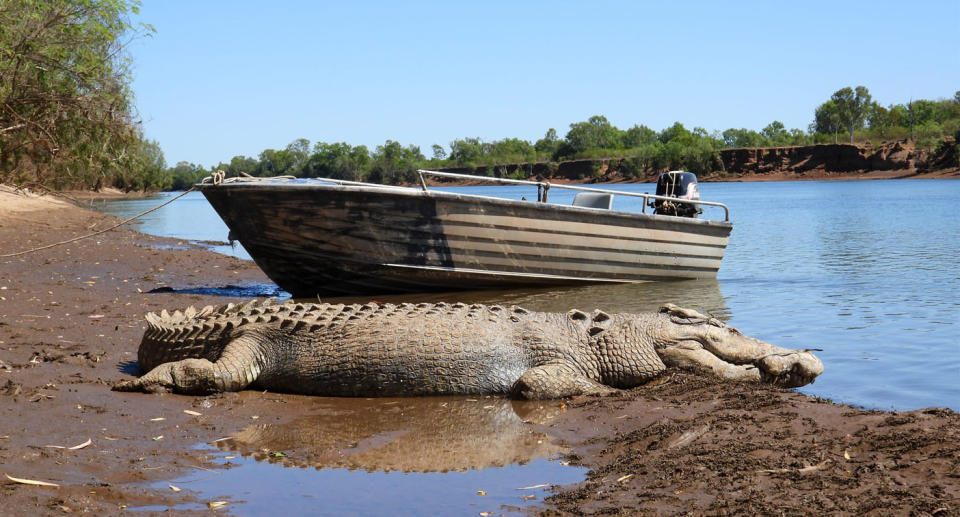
(239, 365)
(689, 355)
(555, 380)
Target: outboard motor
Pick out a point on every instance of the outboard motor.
(678, 184)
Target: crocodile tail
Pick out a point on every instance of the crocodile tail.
(192, 333)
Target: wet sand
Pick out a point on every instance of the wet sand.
(71, 318)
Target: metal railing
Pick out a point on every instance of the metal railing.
(543, 187)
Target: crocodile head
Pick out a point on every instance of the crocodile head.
(686, 337)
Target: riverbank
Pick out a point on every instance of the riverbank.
(889, 160)
(71, 318)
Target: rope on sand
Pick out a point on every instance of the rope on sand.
(216, 178)
(121, 223)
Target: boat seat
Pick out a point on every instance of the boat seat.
(593, 200)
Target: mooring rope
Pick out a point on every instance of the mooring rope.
(121, 223)
(216, 178)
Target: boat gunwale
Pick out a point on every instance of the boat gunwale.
(318, 184)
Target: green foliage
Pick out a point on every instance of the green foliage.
(852, 107)
(338, 161)
(66, 112)
(185, 174)
(595, 133)
(393, 164)
(743, 137)
(549, 144)
(637, 152)
(826, 120)
(638, 136)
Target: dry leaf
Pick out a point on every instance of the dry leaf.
(542, 485)
(481, 492)
(175, 489)
(75, 447)
(191, 413)
(30, 481)
(157, 438)
(158, 419)
(624, 478)
(846, 455)
(82, 445)
(213, 505)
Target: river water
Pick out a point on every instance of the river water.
(865, 271)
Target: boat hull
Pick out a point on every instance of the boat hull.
(319, 239)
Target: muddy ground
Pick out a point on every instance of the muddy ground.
(71, 318)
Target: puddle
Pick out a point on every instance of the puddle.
(240, 291)
(423, 456)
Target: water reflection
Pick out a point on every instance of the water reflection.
(703, 295)
(410, 435)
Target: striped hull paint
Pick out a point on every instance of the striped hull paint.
(329, 239)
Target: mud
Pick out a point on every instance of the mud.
(71, 318)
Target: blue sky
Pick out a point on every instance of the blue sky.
(220, 79)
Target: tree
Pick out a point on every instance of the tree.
(467, 151)
(438, 152)
(638, 136)
(394, 164)
(776, 133)
(879, 119)
(242, 164)
(852, 107)
(826, 119)
(676, 133)
(547, 145)
(298, 152)
(338, 161)
(66, 110)
(743, 138)
(595, 133)
(185, 175)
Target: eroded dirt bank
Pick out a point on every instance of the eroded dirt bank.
(71, 318)
(841, 161)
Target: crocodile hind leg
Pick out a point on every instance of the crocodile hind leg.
(555, 380)
(240, 363)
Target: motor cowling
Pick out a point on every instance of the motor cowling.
(680, 185)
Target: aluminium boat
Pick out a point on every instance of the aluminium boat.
(322, 237)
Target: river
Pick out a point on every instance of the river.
(866, 272)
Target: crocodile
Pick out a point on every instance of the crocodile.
(406, 349)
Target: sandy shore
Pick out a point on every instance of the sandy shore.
(71, 318)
